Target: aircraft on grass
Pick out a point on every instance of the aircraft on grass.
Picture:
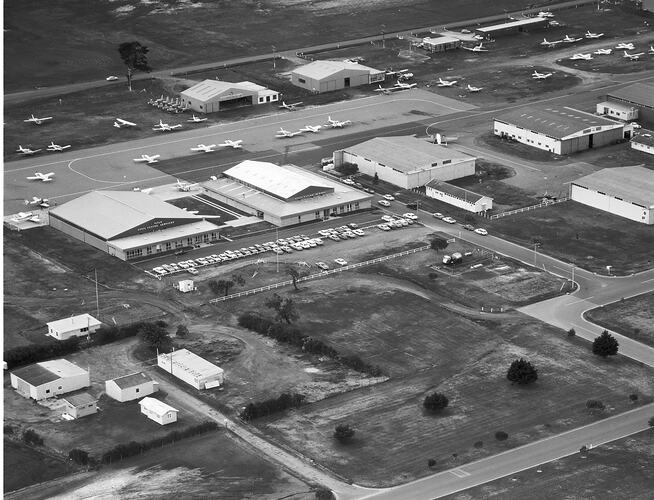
(337, 123)
(148, 159)
(633, 57)
(568, 39)
(119, 123)
(404, 86)
(204, 149)
(41, 202)
(164, 127)
(56, 147)
(577, 57)
(625, 46)
(195, 119)
(603, 52)
(446, 83)
(391, 73)
(38, 176)
(550, 44)
(145, 191)
(185, 186)
(231, 144)
(21, 216)
(26, 151)
(476, 48)
(311, 128)
(282, 134)
(290, 107)
(540, 76)
(470, 88)
(593, 35)
(37, 120)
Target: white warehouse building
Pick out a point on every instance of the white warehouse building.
(406, 161)
(49, 378)
(192, 369)
(211, 96)
(624, 191)
(459, 197)
(75, 326)
(158, 411)
(325, 76)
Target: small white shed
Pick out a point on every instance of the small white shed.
(75, 326)
(130, 387)
(158, 411)
(80, 405)
(185, 286)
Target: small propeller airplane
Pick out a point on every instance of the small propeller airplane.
(603, 52)
(26, 151)
(476, 48)
(37, 120)
(550, 44)
(311, 128)
(385, 90)
(56, 147)
(545, 13)
(470, 88)
(651, 49)
(337, 123)
(149, 159)
(405, 75)
(593, 35)
(404, 86)
(35, 218)
(38, 176)
(540, 76)
(283, 134)
(633, 57)
(231, 144)
(22, 216)
(120, 123)
(164, 127)
(446, 83)
(578, 57)
(290, 107)
(185, 186)
(145, 191)
(391, 73)
(195, 119)
(442, 140)
(41, 202)
(205, 149)
(569, 39)
(625, 46)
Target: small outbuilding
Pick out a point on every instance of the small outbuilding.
(211, 96)
(80, 405)
(130, 387)
(185, 286)
(440, 43)
(459, 197)
(619, 110)
(325, 76)
(49, 378)
(644, 141)
(192, 369)
(158, 411)
(75, 326)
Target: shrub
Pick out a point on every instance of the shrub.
(501, 436)
(479, 444)
(605, 345)
(343, 432)
(522, 372)
(270, 406)
(595, 404)
(435, 402)
(651, 422)
(571, 332)
(31, 437)
(9, 430)
(182, 331)
(633, 398)
(79, 456)
(431, 462)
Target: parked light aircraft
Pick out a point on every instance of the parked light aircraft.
(204, 149)
(290, 107)
(119, 123)
(146, 190)
(473, 89)
(442, 140)
(26, 151)
(404, 75)
(550, 44)
(476, 48)
(593, 35)
(185, 186)
(545, 13)
(568, 39)
(148, 159)
(164, 127)
(337, 123)
(311, 128)
(21, 216)
(38, 176)
(625, 46)
(540, 76)
(603, 52)
(231, 144)
(633, 57)
(404, 86)
(585, 57)
(391, 73)
(446, 83)
(37, 120)
(41, 202)
(56, 147)
(651, 49)
(195, 119)
(283, 134)
(385, 90)
(35, 218)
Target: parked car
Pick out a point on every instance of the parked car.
(353, 225)
(359, 232)
(388, 218)
(112, 78)
(192, 270)
(341, 262)
(449, 220)
(322, 266)
(410, 215)
(438, 215)
(389, 197)
(333, 237)
(384, 203)
(412, 205)
(482, 231)
(383, 227)
(468, 227)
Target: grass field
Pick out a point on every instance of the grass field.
(633, 318)
(24, 466)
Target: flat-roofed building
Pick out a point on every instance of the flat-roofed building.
(644, 141)
(459, 197)
(131, 225)
(75, 326)
(616, 109)
(285, 195)
(49, 378)
(130, 387)
(158, 411)
(211, 96)
(640, 95)
(514, 26)
(558, 129)
(325, 76)
(406, 161)
(440, 43)
(624, 191)
(80, 405)
(192, 369)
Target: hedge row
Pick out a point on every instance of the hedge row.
(270, 406)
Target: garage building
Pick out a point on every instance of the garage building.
(130, 225)
(75, 326)
(406, 161)
(558, 129)
(458, 196)
(325, 76)
(49, 378)
(639, 95)
(80, 405)
(285, 195)
(192, 369)
(130, 387)
(211, 96)
(158, 411)
(624, 191)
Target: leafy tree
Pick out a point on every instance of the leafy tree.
(436, 402)
(284, 307)
(79, 456)
(438, 244)
(292, 272)
(605, 345)
(595, 404)
(182, 331)
(154, 335)
(134, 56)
(8, 429)
(375, 179)
(347, 168)
(431, 462)
(31, 437)
(214, 287)
(633, 398)
(238, 279)
(571, 332)
(501, 436)
(222, 286)
(522, 372)
(343, 432)
(323, 493)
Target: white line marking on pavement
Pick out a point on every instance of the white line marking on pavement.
(459, 473)
(577, 301)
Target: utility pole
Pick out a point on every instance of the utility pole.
(97, 300)
(274, 61)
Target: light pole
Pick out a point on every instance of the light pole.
(383, 26)
(535, 252)
(274, 61)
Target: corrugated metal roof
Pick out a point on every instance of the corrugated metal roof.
(555, 121)
(73, 323)
(456, 191)
(406, 153)
(209, 89)
(634, 184)
(80, 399)
(322, 69)
(644, 137)
(513, 24)
(132, 380)
(158, 407)
(35, 375)
(169, 233)
(185, 360)
(639, 93)
(110, 213)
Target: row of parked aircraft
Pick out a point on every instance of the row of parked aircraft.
(450, 83)
(571, 39)
(623, 46)
(284, 134)
(398, 86)
(52, 147)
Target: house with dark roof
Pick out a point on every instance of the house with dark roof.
(644, 141)
(459, 197)
(49, 378)
(210, 96)
(130, 387)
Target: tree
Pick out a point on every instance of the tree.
(501, 436)
(238, 279)
(79, 456)
(436, 402)
(134, 56)
(182, 331)
(375, 179)
(31, 437)
(221, 286)
(348, 168)
(154, 335)
(651, 422)
(522, 372)
(438, 244)
(605, 345)
(343, 432)
(292, 272)
(284, 307)
(595, 404)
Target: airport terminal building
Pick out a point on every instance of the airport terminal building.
(211, 96)
(130, 225)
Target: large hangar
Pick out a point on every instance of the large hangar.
(558, 129)
(211, 96)
(285, 195)
(130, 225)
(325, 76)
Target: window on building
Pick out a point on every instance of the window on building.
(84, 329)
(137, 389)
(301, 80)
(47, 391)
(356, 205)
(205, 238)
(148, 250)
(169, 245)
(316, 214)
(60, 387)
(445, 162)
